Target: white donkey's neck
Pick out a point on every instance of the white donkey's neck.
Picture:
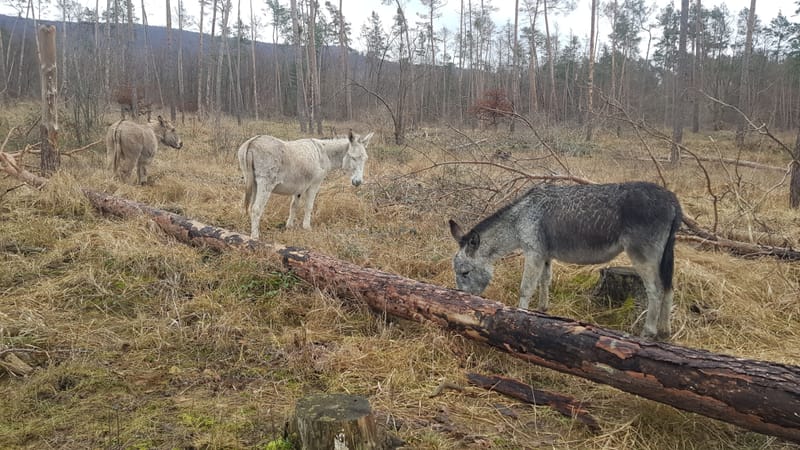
(335, 149)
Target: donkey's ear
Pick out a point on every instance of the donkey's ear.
(350, 136)
(455, 230)
(365, 139)
(473, 242)
(160, 120)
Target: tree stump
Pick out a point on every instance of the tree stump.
(617, 285)
(334, 422)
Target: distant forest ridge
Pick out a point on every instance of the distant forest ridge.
(156, 34)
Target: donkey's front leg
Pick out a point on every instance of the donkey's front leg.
(531, 276)
(310, 196)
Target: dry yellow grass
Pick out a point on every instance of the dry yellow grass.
(142, 342)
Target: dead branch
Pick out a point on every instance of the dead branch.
(471, 143)
(735, 162)
(760, 129)
(564, 404)
(541, 141)
(81, 149)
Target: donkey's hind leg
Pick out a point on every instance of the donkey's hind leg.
(296, 203)
(664, 328)
(263, 190)
(648, 272)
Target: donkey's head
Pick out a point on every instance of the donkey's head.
(473, 272)
(356, 157)
(166, 133)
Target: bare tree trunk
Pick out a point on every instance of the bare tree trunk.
(181, 86)
(48, 128)
(170, 66)
(744, 83)
(97, 28)
(150, 62)
(315, 113)
(238, 84)
(345, 55)
(210, 100)
(107, 65)
(533, 96)
(3, 74)
(794, 183)
(551, 62)
(64, 41)
(590, 80)
(299, 72)
(226, 7)
(253, 36)
(28, 11)
(200, 63)
(681, 87)
(129, 65)
(697, 71)
(515, 73)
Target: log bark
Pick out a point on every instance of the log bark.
(334, 421)
(757, 395)
(567, 406)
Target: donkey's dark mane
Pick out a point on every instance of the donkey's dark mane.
(488, 221)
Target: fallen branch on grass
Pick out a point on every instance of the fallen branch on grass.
(567, 406)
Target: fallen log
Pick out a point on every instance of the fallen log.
(756, 395)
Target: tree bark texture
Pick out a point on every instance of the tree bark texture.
(333, 422)
(48, 129)
(756, 395)
(794, 180)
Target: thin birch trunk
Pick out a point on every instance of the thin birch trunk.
(181, 86)
(169, 63)
(299, 72)
(590, 78)
(345, 55)
(744, 83)
(200, 63)
(253, 36)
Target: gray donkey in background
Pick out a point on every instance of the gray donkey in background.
(583, 224)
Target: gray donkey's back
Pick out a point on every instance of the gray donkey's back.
(586, 224)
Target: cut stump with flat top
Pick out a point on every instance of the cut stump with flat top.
(334, 421)
(616, 285)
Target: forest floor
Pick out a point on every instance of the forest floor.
(138, 341)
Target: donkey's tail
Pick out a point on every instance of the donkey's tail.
(248, 172)
(667, 266)
(115, 159)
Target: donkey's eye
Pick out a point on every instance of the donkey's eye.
(464, 274)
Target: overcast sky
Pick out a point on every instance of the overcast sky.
(358, 11)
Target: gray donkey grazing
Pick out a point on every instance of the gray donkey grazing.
(585, 224)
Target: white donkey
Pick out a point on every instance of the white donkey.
(295, 168)
(588, 224)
